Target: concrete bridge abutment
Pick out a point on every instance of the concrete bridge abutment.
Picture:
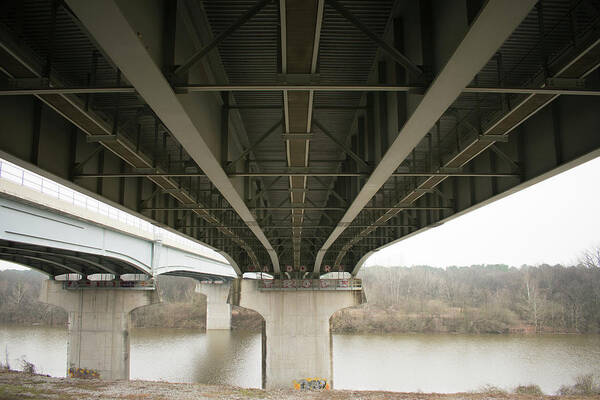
(98, 327)
(218, 311)
(297, 342)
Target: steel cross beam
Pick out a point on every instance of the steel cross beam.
(223, 35)
(582, 63)
(289, 226)
(289, 208)
(292, 88)
(300, 29)
(341, 145)
(307, 173)
(121, 43)
(495, 22)
(397, 56)
(255, 144)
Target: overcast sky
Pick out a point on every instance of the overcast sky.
(550, 222)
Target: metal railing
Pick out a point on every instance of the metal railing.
(31, 180)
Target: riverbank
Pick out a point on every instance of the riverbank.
(18, 385)
(393, 319)
(469, 300)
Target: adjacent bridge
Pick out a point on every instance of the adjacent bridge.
(297, 137)
(99, 270)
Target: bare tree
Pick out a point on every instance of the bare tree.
(591, 257)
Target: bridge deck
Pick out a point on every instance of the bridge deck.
(300, 133)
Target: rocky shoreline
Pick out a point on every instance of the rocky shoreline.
(18, 385)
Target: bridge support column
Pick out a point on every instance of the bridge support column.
(218, 311)
(98, 340)
(297, 343)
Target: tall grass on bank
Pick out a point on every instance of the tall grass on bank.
(530, 389)
(584, 385)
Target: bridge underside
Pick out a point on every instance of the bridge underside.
(201, 277)
(54, 262)
(300, 133)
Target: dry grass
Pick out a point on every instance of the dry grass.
(18, 385)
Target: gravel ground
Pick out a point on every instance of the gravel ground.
(18, 385)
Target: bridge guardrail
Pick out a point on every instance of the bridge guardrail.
(38, 183)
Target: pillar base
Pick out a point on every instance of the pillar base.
(98, 338)
(297, 344)
(218, 311)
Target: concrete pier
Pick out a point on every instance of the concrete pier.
(297, 345)
(218, 311)
(98, 339)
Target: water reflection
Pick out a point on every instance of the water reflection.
(216, 357)
(45, 347)
(430, 363)
(458, 363)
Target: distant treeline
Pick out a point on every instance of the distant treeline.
(475, 299)
(19, 291)
(181, 307)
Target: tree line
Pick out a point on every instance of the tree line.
(181, 307)
(473, 299)
(478, 299)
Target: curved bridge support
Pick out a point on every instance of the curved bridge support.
(98, 343)
(218, 311)
(296, 335)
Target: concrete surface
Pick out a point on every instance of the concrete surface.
(218, 311)
(296, 334)
(98, 338)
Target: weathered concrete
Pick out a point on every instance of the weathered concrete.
(218, 311)
(98, 326)
(296, 333)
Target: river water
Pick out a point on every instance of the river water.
(408, 363)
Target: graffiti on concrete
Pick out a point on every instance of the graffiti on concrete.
(288, 283)
(85, 373)
(309, 284)
(311, 384)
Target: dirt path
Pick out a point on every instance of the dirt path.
(20, 386)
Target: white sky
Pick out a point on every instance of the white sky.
(550, 222)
